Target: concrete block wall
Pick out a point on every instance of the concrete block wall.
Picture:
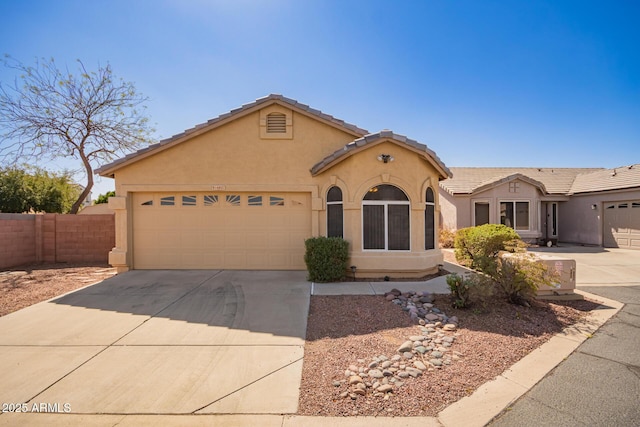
(50, 238)
(84, 238)
(17, 239)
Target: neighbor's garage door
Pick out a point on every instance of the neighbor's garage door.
(220, 230)
(622, 224)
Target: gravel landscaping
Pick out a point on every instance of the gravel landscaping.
(353, 340)
(23, 286)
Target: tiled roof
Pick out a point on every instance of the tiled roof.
(273, 98)
(607, 179)
(553, 180)
(356, 145)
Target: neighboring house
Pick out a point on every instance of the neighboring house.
(587, 206)
(244, 190)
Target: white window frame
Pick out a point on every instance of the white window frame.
(385, 203)
(515, 224)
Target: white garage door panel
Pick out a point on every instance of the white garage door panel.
(622, 224)
(221, 234)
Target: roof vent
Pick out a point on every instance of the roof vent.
(614, 173)
(276, 123)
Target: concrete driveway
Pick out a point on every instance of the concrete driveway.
(599, 384)
(162, 342)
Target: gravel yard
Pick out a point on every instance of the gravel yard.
(348, 332)
(23, 286)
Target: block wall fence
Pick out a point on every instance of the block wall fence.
(53, 238)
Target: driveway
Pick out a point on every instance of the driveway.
(599, 384)
(161, 342)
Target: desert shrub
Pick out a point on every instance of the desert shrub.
(470, 289)
(459, 287)
(478, 247)
(520, 276)
(446, 238)
(326, 258)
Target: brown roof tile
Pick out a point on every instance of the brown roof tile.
(607, 179)
(554, 180)
(107, 170)
(350, 148)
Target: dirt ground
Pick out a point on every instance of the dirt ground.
(23, 286)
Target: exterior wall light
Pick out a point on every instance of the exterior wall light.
(385, 158)
(594, 207)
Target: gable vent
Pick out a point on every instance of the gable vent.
(276, 123)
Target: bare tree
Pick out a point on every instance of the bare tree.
(48, 113)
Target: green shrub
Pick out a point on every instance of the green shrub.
(478, 247)
(446, 238)
(326, 258)
(520, 276)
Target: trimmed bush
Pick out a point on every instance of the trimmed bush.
(478, 247)
(446, 238)
(326, 258)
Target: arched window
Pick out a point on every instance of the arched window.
(429, 220)
(385, 219)
(334, 212)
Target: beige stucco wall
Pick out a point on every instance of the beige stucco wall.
(233, 157)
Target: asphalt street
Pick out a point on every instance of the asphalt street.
(599, 384)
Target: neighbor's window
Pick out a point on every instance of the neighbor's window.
(481, 213)
(334, 212)
(276, 123)
(515, 215)
(430, 220)
(385, 219)
(168, 201)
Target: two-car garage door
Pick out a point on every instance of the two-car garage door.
(622, 224)
(220, 230)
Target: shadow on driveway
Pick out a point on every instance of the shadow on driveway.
(274, 302)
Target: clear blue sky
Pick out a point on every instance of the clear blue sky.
(483, 83)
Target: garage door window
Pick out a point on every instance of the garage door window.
(168, 201)
(233, 199)
(255, 200)
(334, 212)
(276, 201)
(188, 200)
(210, 200)
(385, 219)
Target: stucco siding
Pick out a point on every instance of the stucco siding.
(580, 223)
(235, 154)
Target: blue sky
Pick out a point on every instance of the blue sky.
(483, 83)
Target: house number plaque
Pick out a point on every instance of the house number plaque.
(218, 187)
